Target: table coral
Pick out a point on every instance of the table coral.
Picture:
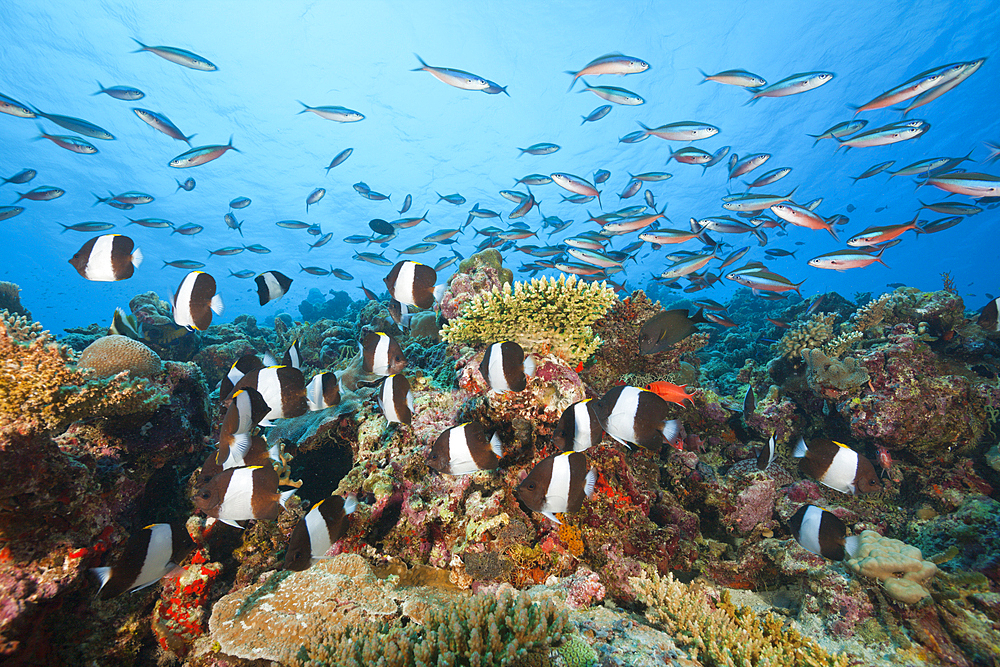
(544, 315)
(900, 567)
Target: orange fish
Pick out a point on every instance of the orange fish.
(670, 392)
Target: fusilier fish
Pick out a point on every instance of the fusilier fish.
(178, 56)
(682, 131)
(735, 77)
(162, 124)
(792, 85)
(612, 63)
(543, 148)
(9, 105)
(840, 260)
(87, 227)
(188, 264)
(201, 155)
(120, 92)
(314, 197)
(613, 94)
(78, 125)
(20, 177)
(73, 144)
(453, 77)
(840, 130)
(597, 114)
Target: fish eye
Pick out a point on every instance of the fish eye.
(206, 494)
(530, 486)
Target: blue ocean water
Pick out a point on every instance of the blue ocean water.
(422, 137)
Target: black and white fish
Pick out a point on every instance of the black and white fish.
(505, 367)
(822, 533)
(559, 483)
(988, 318)
(292, 357)
(395, 399)
(323, 391)
(240, 494)
(272, 285)
(125, 325)
(837, 466)
(381, 354)
(412, 283)
(283, 388)
(318, 530)
(196, 300)
(149, 555)
(107, 258)
(242, 366)
(578, 429)
(258, 454)
(247, 408)
(766, 455)
(636, 416)
(465, 449)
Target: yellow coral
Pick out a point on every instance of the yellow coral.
(812, 333)
(111, 355)
(544, 315)
(722, 635)
(38, 389)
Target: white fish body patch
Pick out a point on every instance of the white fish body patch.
(842, 471)
(557, 495)
(809, 530)
(621, 420)
(236, 504)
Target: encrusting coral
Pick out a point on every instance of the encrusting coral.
(720, 634)
(544, 315)
(900, 567)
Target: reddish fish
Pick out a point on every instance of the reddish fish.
(670, 392)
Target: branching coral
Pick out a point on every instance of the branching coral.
(872, 313)
(481, 630)
(544, 315)
(719, 634)
(37, 387)
(812, 333)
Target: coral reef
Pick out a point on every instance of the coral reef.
(813, 333)
(900, 567)
(830, 377)
(10, 300)
(544, 315)
(705, 622)
(112, 355)
(479, 274)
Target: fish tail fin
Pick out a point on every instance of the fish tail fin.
(854, 107)
(230, 144)
(529, 365)
(496, 445)
(423, 65)
(101, 86)
(188, 139)
(65, 228)
(753, 100)
(670, 429)
(590, 483)
(573, 82)
(801, 449)
(878, 257)
(142, 47)
(216, 304)
(852, 545)
(586, 86)
(304, 105)
(285, 495)
(799, 284)
(833, 232)
(350, 503)
(136, 258)
(704, 74)
(103, 575)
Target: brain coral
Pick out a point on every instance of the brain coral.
(111, 355)
(544, 315)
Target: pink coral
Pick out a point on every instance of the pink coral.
(584, 589)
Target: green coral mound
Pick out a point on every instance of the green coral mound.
(505, 629)
(544, 315)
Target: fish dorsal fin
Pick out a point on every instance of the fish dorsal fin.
(230, 522)
(591, 483)
(103, 575)
(800, 449)
(840, 444)
(496, 445)
(552, 517)
(269, 360)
